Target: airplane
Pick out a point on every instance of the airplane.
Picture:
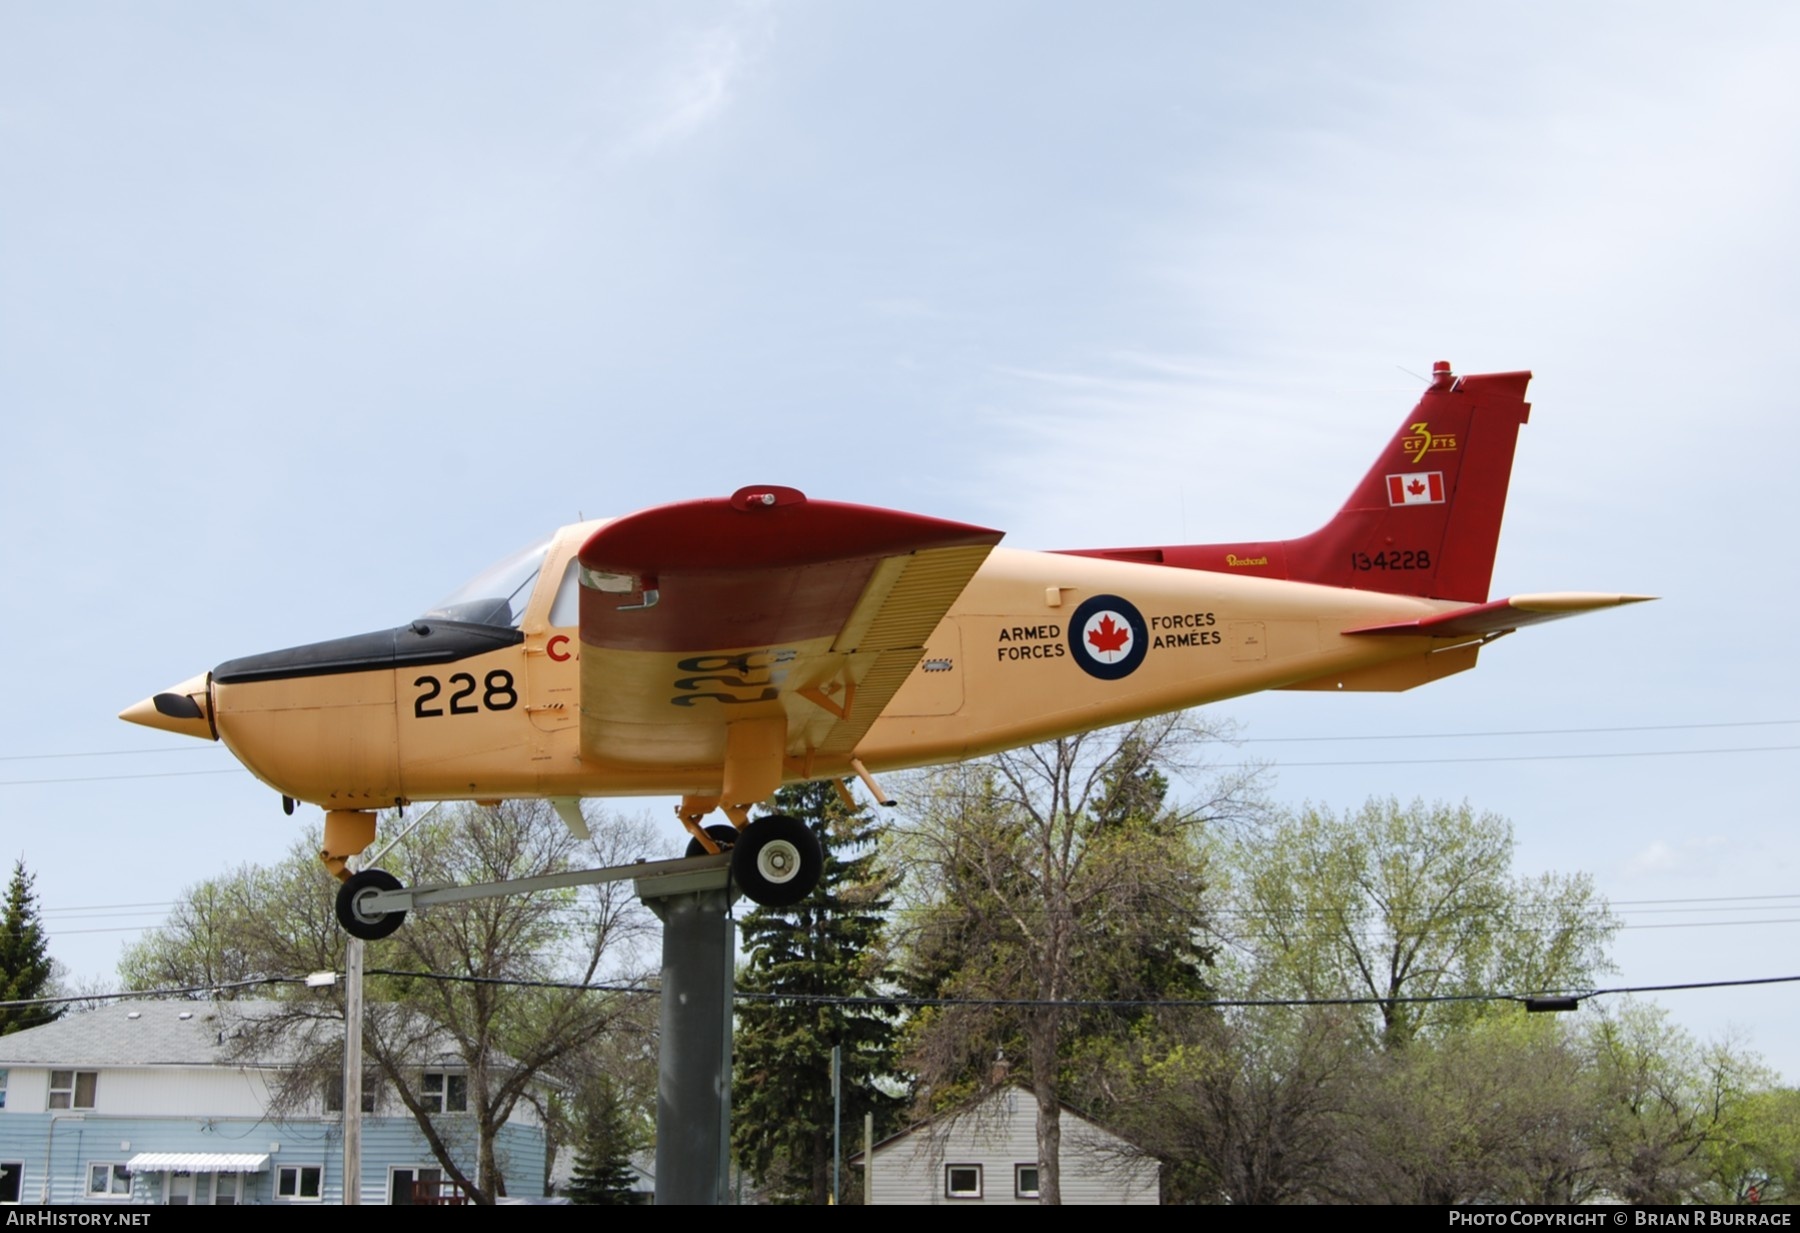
(717, 649)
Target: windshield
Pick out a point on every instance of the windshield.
(498, 594)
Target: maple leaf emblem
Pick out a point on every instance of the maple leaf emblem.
(1109, 636)
(1415, 488)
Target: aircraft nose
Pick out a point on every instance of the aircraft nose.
(185, 708)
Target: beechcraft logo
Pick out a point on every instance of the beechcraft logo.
(1108, 637)
(1418, 488)
(1423, 441)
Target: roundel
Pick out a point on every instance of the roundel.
(1108, 637)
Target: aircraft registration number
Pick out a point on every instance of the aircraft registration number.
(496, 692)
(1393, 558)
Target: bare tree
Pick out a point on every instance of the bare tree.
(1055, 872)
(477, 961)
(1243, 1106)
(473, 1009)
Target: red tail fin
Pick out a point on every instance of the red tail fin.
(1424, 521)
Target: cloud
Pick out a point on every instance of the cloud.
(696, 91)
(1691, 856)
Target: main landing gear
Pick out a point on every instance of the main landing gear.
(776, 860)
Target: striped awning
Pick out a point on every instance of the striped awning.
(199, 1162)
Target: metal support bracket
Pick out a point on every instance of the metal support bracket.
(654, 878)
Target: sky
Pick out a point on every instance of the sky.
(308, 313)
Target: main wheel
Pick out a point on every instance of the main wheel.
(721, 834)
(777, 861)
(359, 923)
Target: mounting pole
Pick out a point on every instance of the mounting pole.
(693, 1088)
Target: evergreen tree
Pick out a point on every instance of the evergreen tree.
(829, 945)
(24, 956)
(603, 1175)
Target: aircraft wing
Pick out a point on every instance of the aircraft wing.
(1501, 616)
(759, 629)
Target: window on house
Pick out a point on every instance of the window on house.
(73, 1089)
(109, 1180)
(962, 1181)
(410, 1185)
(334, 1092)
(12, 1180)
(1025, 1181)
(445, 1091)
(298, 1182)
(2, 1088)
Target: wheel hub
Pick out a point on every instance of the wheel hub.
(778, 862)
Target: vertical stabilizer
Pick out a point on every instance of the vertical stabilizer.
(1425, 520)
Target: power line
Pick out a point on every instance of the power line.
(1569, 757)
(1457, 736)
(1239, 766)
(173, 991)
(896, 1001)
(1247, 740)
(15, 783)
(107, 753)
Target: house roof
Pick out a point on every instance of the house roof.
(972, 1108)
(137, 1034)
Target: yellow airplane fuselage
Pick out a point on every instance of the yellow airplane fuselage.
(998, 672)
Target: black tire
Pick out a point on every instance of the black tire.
(369, 927)
(721, 834)
(777, 861)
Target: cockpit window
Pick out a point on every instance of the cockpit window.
(497, 595)
(566, 610)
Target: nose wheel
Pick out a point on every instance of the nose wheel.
(357, 920)
(777, 861)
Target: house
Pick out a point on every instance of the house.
(155, 1102)
(988, 1153)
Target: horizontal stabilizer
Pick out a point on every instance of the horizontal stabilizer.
(1503, 615)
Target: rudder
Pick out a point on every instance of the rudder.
(1425, 520)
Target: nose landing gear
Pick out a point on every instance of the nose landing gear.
(354, 912)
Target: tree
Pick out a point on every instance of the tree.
(25, 964)
(1501, 1109)
(830, 945)
(1243, 1106)
(445, 986)
(1677, 1113)
(603, 1175)
(1765, 1156)
(256, 922)
(1400, 902)
(1056, 872)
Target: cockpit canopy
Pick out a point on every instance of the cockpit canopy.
(497, 595)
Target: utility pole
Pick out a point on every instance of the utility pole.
(353, 1071)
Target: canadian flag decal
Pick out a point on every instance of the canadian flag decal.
(1417, 488)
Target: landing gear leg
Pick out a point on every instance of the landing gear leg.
(704, 842)
(347, 833)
